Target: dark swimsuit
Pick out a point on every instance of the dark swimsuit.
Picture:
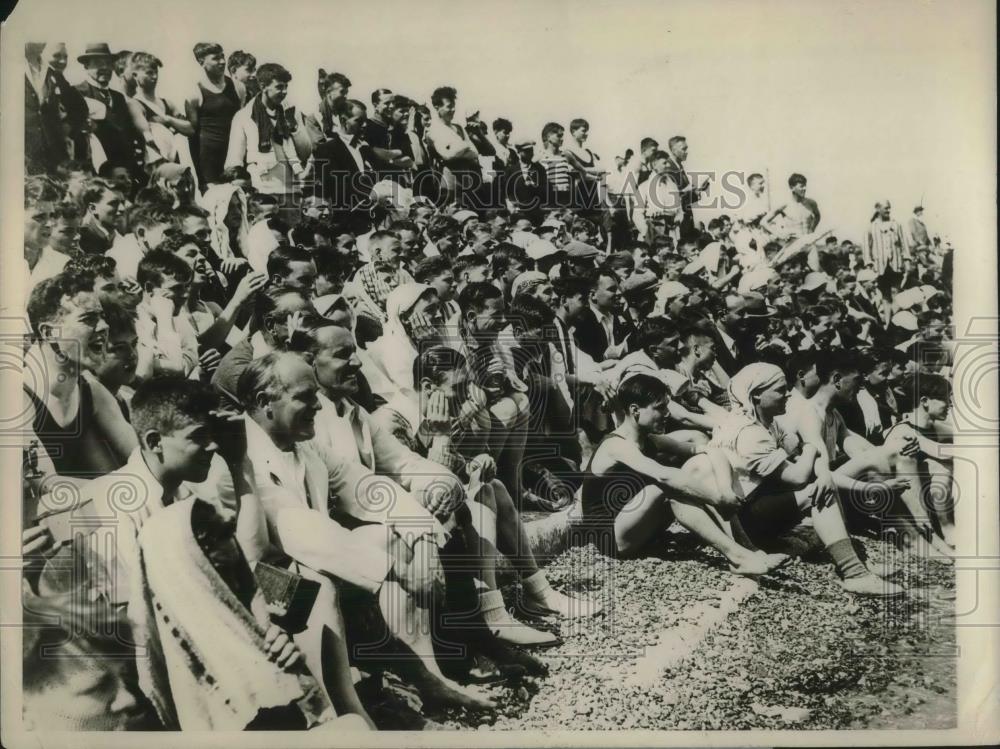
(77, 449)
(215, 116)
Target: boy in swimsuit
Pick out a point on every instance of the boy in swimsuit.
(928, 498)
(634, 493)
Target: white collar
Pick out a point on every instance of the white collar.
(601, 315)
(97, 85)
(261, 446)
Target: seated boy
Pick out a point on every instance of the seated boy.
(635, 496)
(168, 343)
(927, 399)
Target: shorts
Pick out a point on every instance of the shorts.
(769, 513)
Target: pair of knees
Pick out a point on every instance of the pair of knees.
(511, 410)
(443, 491)
(492, 503)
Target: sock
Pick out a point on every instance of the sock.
(536, 585)
(845, 559)
(492, 608)
(505, 627)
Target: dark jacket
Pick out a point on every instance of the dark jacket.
(339, 180)
(119, 138)
(51, 125)
(92, 240)
(590, 336)
(524, 195)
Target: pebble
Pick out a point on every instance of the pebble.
(799, 645)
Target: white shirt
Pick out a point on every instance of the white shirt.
(272, 172)
(260, 242)
(163, 351)
(114, 507)
(126, 252)
(355, 153)
(50, 263)
(657, 196)
(446, 139)
(295, 489)
(607, 322)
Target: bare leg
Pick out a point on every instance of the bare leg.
(939, 495)
(482, 534)
(508, 439)
(691, 436)
(512, 540)
(325, 651)
(707, 527)
(411, 624)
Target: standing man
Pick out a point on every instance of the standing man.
(647, 147)
(690, 194)
(115, 131)
(527, 185)
(502, 129)
(884, 246)
(378, 133)
(755, 207)
(801, 214)
(657, 200)
(917, 230)
(448, 143)
(557, 168)
(342, 162)
(260, 137)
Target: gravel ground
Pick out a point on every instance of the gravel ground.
(797, 652)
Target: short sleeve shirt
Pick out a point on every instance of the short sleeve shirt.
(755, 454)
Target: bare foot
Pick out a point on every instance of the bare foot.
(871, 585)
(750, 565)
(775, 561)
(440, 693)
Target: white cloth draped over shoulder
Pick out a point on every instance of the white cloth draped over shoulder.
(216, 201)
(390, 357)
(206, 664)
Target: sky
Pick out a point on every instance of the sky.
(870, 100)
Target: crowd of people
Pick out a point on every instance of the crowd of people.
(294, 376)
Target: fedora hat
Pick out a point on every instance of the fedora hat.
(95, 49)
(750, 304)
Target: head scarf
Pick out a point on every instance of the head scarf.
(394, 352)
(748, 382)
(206, 664)
(216, 201)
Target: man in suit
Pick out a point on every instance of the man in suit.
(602, 330)
(117, 133)
(690, 194)
(342, 166)
(917, 229)
(745, 318)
